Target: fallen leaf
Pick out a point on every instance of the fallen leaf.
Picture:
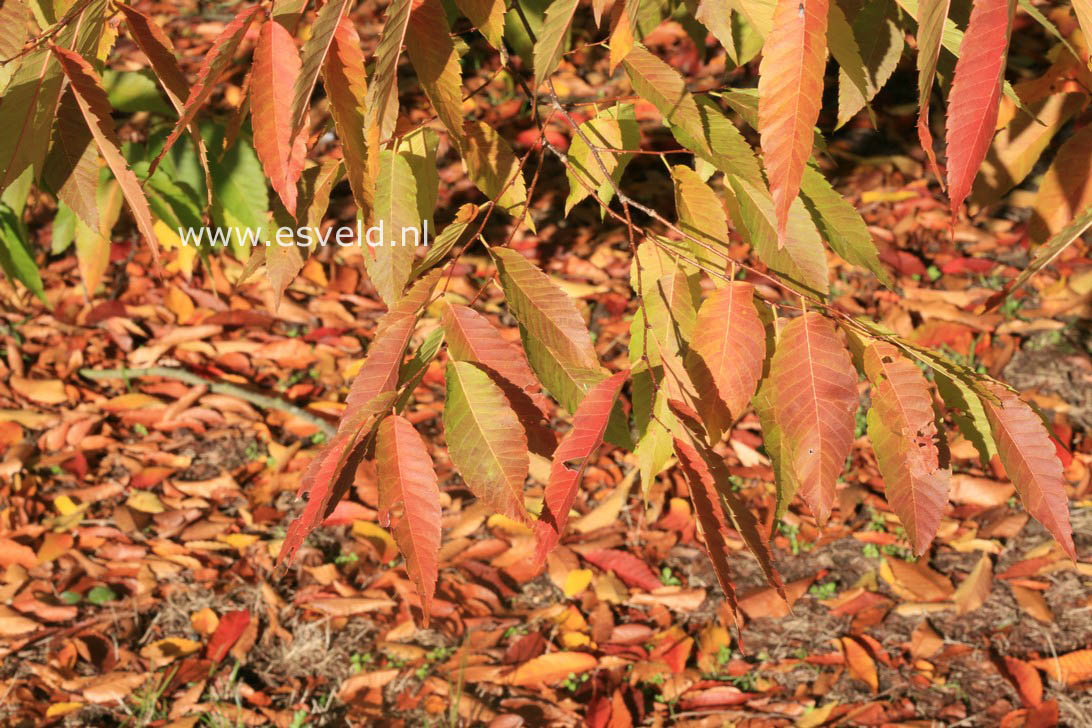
(12, 623)
(975, 589)
(42, 391)
(1026, 680)
(552, 668)
(915, 581)
(1033, 603)
(227, 632)
(860, 663)
(1070, 669)
(165, 651)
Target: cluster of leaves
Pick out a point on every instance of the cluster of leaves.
(705, 344)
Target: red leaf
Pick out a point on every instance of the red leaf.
(96, 110)
(976, 93)
(790, 94)
(380, 370)
(330, 474)
(155, 44)
(228, 631)
(710, 515)
(347, 88)
(1031, 462)
(219, 55)
(814, 391)
(711, 489)
(571, 458)
(627, 567)
(409, 498)
(276, 68)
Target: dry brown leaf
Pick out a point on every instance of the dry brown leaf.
(975, 589)
(12, 623)
(42, 391)
(1032, 602)
(165, 651)
(915, 581)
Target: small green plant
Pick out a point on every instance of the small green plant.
(823, 591)
(346, 557)
(748, 682)
(140, 430)
(668, 578)
(359, 660)
(573, 682)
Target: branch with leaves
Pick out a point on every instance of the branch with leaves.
(716, 334)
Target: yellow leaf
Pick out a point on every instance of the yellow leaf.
(817, 717)
(165, 651)
(146, 502)
(507, 525)
(887, 195)
(131, 401)
(577, 581)
(180, 304)
(66, 506)
(240, 540)
(572, 640)
(187, 254)
(42, 391)
(375, 533)
(56, 710)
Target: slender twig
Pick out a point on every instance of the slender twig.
(254, 398)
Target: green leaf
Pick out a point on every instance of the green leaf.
(396, 217)
(240, 195)
(702, 218)
(552, 38)
(433, 54)
(555, 337)
(133, 91)
(616, 128)
(100, 595)
(30, 100)
(881, 42)
(16, 258)
(802, 263)
(841, 224)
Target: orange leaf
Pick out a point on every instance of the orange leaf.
(903, 430)
(276, 68)
(409, 499)
(975, 589)
(1027, 681)
(347, 89)
(551, 668)
(976, 93)
(570, 459)
(730, 343)
(1071, 669)
(860, 663)
(790, 93)
(1031, 462)
(814, 392)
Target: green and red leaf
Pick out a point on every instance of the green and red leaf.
(902, 427)
(485, 439)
